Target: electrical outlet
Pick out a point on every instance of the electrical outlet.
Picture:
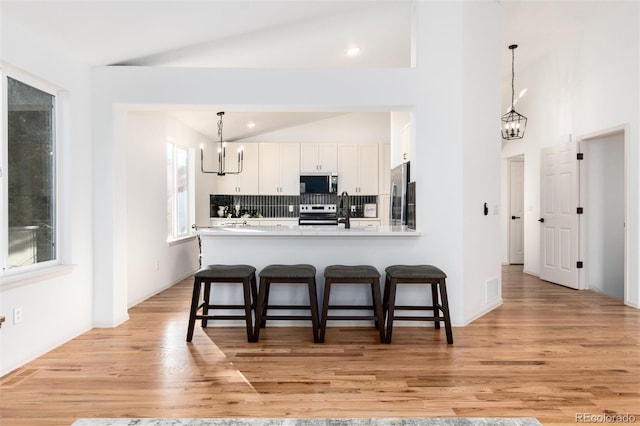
(290, 209)
(17, 315)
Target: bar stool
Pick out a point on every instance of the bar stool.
(208, 275)
(361, 274)
(295, 274)
(417, 274)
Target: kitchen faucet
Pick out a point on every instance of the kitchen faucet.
(345, 209)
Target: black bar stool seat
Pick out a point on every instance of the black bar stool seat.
(244, 274)
(359, 274)
(417, 274)
(287, 274)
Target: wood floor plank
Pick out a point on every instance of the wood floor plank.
(549, 352)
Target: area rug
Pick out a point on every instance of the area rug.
(443, 421)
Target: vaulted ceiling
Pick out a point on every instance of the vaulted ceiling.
(272, 34)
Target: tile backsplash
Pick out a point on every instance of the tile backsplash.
(278, 205)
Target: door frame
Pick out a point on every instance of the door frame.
(583, 194)
(516, 158)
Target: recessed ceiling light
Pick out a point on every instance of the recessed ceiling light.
(353, 51)
(251, 124)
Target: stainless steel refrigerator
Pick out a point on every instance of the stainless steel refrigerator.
(399, 182)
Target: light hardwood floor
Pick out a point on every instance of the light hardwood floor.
(548, 352)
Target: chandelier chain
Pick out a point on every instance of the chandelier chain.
(513, 74)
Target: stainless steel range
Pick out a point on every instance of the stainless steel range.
(318, 214)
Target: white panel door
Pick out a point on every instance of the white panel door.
(516, 212)
(559, 219)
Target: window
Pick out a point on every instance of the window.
(28, 230)
(179, 211)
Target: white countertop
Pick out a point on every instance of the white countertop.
(306, 231)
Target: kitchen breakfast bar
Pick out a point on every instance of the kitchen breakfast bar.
(320, 246)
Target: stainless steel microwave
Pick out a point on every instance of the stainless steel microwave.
(319, 184)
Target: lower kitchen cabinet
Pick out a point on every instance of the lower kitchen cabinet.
(365, 222)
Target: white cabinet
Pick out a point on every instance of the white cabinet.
(364, 222)
(385, 169)
(245, 182)
(316, 158)
(279, 222)
(384, 205)
(218, 221)
(279, 169)
(358, 169)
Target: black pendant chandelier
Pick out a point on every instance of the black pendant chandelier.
(513, 124)
(222, 155)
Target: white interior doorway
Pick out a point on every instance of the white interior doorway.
(603, 196)
(516, 210)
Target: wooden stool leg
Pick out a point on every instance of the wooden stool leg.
(373, 303)
(434, 300)
(325, 309)
(205, 306)
(265, 304)
(391, 307)
(260, 313)
(313, 304)
(377, 308)
(254, 292)
(246, 285)
(445, 310)
(195, 299)
(385, 299)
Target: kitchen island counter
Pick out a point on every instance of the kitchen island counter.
(320, 246)
(307, 231)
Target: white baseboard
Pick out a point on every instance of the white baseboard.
(14, 366)
(528, 272)
(131, 305)
(494, 304)
(112, 324)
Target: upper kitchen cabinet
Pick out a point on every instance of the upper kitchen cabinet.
(318, 158)
(358, 169)
(385, 169)
(279, 169)
(245, 182)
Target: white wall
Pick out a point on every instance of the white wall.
(481, 163)
(399, 120)
(154, 264)
(55, 308)
(586, 87)
(432, 90)
(604, 213)
(351, 127)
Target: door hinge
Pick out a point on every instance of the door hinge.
(580, 210)
(580, 156)
(579, 265)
